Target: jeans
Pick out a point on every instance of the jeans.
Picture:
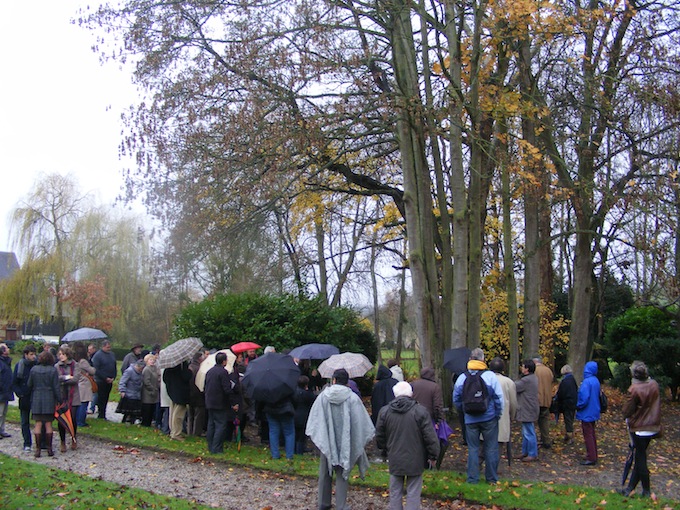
(529, 444)
(81, 414)
(25, 423)
(281, 424)
(414, 486)
(217, 429)
(489, 431)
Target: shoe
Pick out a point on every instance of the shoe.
(588, 462)
(624, 492)
(28, 449)
(5, 434)
(529, 459)
(645, 494)
(520, 457)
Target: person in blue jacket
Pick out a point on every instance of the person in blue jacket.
(588, 411)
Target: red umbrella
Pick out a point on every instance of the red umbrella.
(63, 415)
(244, 346)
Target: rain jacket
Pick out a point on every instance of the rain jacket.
(588, 403)
(405, 430)
(382, 391)
(340, 428)
(428, 394)
(496, 401)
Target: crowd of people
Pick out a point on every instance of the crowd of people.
(183, 400)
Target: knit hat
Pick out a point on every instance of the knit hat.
(402, 389)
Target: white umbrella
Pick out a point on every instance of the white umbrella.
(355, 364)
(209, 362)
(84, 334)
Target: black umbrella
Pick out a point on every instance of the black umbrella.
(271, 378)
(629, 462)
(455, 360)
(314, 351)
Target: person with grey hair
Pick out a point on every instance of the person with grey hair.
(545, 380)
(567, 394)
(642, 412)
(269, 348)
(480, 423)
(404, 430)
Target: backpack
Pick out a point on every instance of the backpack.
(604, 403)
(475, 394)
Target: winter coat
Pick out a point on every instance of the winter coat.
(220, 389)
(177, 383)
(302, 401)
(428, 393)
(105, 363)
(496, 401)
(397, 373)
(131, 383)
(69, 375)
(151, 384)
(643, 406)
(588, 403)
(196, 396)
(84, 384)
(567, 393)
(130, 359)
(22, 371)
(382, 391)
(527, 399)
(405, 431)
(340, 428)
(509, 409)
(545, 380)
(45, 390)
(6, 393)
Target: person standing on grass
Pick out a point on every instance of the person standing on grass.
(196, 419)
(428, 393)
(22, 371)
(132, 357)
(104, 362)
(404, 429)
(6, 393)
(151, 389)
(588, 411)
(483, 423)
(642, 411)
(382, 391)
(545, 380)
(528, 409)
(340, 427)
(130, 389)
(220, 402)
(177, 383)
(497, 365)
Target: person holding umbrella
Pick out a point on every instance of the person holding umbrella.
(43, 382)
(642, 412)
(69, 375)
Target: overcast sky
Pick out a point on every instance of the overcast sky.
(59, 108)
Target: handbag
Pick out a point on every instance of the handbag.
(95, 388)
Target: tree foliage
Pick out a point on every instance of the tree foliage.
(283, 321)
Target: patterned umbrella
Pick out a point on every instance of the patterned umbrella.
(180, 351)
(355, 364)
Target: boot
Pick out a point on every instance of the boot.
(569, 438)
(62, 447)
(38, 437)
(74, 444)
(48, 440)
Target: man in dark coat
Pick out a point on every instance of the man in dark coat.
(21, 372)
(104, 362)
(132, 357)
(428, 393)
(405, 430)
(6, 393)
(221, 402)
(382, 391)
(196, 412)
(177, 383)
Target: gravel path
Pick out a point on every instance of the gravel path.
(203, 481)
